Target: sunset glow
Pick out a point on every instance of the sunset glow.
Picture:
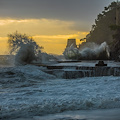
(49, 22)
(51, 34)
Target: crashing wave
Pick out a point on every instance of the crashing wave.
(90, 51)
(23, 73)
(26, 50)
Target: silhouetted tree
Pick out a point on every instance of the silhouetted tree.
(100, 31)
(106, 8)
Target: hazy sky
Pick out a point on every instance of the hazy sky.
(50, 22)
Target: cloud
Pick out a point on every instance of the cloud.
(47, 32)
(79, 26)
(51, 22)
(57, 36)
(39, 27)
(9, 21)
(73, 10)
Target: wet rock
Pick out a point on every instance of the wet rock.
(101, 63)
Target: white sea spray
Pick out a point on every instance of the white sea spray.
(89, 51)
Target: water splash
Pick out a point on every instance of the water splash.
(90, 51)
(26, 50)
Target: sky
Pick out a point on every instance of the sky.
(50, 22)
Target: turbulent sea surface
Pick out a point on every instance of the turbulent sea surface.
(28, 93)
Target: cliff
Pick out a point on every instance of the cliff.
(101, 31)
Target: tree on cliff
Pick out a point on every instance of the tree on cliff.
(100, 31)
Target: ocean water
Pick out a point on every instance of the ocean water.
(28, 93)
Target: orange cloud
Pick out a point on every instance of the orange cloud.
(49, 33)
(56, 36)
